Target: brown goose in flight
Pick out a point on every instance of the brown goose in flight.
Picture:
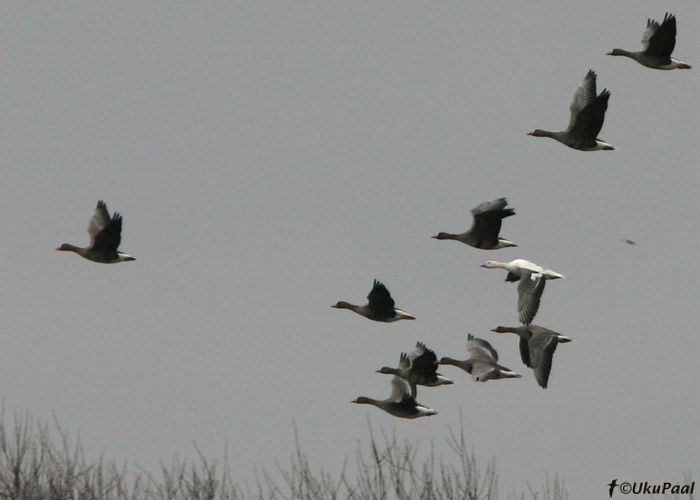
(658, 40)
(485, 228)
(105, 236)
(482, 365)
(537, 346)
(380, 306)
(587, 115)
(418, 368)
(400, 404)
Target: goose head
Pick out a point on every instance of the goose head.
(541, 133)
(363, 401)
(386, 370)
(342, 305)
(492, 264)
(502, 329)
(443, 236)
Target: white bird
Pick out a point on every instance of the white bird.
(379, 308)
(487, 224)
(482, 365)
(105, 236)
(400, 404)
(587, 116)
(516, 267)
(658, 41)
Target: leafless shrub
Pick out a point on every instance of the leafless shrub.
(42, 462)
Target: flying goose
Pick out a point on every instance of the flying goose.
(587, 115)
(379, 308)
(105, 236)
(658, 40)
(516, 267)
(483, 364)
(400, 403)
(537, 346)
(418, 368)
(485, 228)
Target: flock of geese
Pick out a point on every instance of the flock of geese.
(537, 344)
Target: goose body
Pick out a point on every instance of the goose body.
(658, 41)
(418, 368)
(516, 268)
(537, 346)
(400, 404)
(105, 236)
(485, 228)
(483, 363)
(587, 116)
(380, 306)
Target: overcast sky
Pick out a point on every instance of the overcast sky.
(272, 158)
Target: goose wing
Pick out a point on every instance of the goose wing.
(542, 349)
(659, 40)
(588, 110)
(380, 302)
(404, 362)
(480, 348)
(530, 291)
(400, 390)
(525, 352)
(98, 221)
(487, 219)
(105, 231)
(584, 94)
(423, 360)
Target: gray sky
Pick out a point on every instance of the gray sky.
(272, 158)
